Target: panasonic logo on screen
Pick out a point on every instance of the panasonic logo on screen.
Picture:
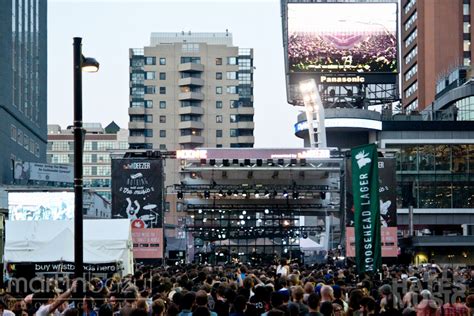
(357, 79)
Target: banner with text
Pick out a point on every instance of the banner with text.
(43, 172)
(388, 209)
(137, 194)
(365, 190)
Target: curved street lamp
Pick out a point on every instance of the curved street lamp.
(81, 63)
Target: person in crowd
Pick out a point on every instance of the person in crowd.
(313, 305)
(187, 304)
(427, 306)
(283, 269)
(48, 302)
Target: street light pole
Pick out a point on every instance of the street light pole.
(78, 164)
(87, 64)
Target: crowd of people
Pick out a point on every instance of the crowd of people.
(239, 290)
(315, 52)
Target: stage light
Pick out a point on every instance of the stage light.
(200, 211)
(244, 212)
(305, 235)
(236, 193)
(244, 193)
(229, 192)
(275, 193)
(257, 194)
(286, 222)
(207, 194)
(221, 193)
(180, 195)
(204, 220)
(285, 193)
(259, 220)
(241, 217)
(248, 217)
(242, 222)
(267, 211)
(267, 193)
(322, 195)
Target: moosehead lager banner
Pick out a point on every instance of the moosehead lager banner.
(365, 189)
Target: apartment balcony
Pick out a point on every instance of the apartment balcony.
(246, 125)
(191, 82)
(136, 110)
(246, 110)
(190, 96)
(191, 139)
(197, 110)
(136, 125)
(191, 124)
(136, 139)
(190, 67)
(246, 139)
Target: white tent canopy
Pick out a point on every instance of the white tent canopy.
(307, 244)
(105, 241)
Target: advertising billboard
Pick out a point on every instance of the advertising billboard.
(137, 194)
(40, 205)
(388, 209)
(356, 38)
(43, 172)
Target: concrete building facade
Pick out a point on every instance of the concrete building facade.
(99, 144)
(23, 77)
(435, 40)
(190, 90)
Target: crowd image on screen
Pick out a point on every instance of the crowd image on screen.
(375, 52)
(236, 289)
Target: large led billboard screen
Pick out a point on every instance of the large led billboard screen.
(40, 205)
(342, 38)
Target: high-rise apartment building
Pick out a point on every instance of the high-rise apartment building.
(191, 90)
(435, 43)
(99, 144)
(23, 78)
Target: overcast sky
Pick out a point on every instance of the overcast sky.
(109, 28)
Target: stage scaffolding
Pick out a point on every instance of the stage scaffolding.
(254, 208)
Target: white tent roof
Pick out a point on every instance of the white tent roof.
(309, 244)
(105, 241)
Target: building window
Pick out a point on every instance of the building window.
(218, 104)
(148, 104)
(218, 133)
(466, 10)
(218, 90)
(190, 48)
(13, 132)
(411, 38)
(466, 27)
(162, 75)
(233, 118)
(234, 104)
(231, 60)
(150, 75)
(467, 62)
(162, 118)
(233, 132)
(162, 133)
(411, 20)
(148, 133)
(409, 5)
(162, 61)
(218, 145)
(411, 72)
(467, 46)
(149, 118)
(231, 89)
(193, 60)
(411, 89)
(150, 60)
(150, 89)
(412, 54)
(162, 104)
(162, 147)
(218, 75)
(218, 61)
(231, 75)
(137, 104)
(218, 118)
(162, 90)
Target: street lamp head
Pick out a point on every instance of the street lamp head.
(90, 64)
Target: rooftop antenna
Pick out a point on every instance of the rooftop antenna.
(226, 32)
